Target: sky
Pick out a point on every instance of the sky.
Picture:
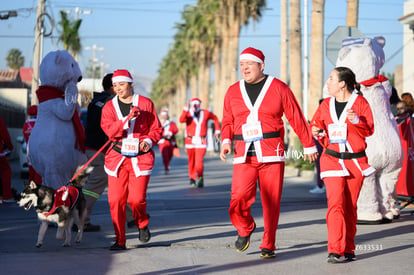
(136, 34)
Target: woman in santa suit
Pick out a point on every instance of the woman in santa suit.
(341, 123)
(167, 142)
(131, 123)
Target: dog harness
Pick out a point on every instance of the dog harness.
(64, 196)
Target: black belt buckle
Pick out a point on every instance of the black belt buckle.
(343, 155)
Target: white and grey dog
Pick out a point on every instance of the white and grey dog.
(62, 206)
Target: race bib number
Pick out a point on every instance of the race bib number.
(130, 147)
(252, 131)
(337, 133)
(196, 140)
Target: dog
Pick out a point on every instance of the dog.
(62, 206)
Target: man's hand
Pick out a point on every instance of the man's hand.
(144, 146)
(225, 150)
(311, 157)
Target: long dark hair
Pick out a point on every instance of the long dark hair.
(347, 75)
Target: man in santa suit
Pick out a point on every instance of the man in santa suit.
(196, 120)
(130, 121)
(27, 130)
(252, 118)
(166, 144)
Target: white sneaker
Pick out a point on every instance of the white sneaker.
(317, 190)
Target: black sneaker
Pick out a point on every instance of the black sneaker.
(267, 254)
(200, 183)
(242, 243)
(350, 257)
(334, 258)
(144, 234)
(91, 227)
(118, 247)
(192, 182)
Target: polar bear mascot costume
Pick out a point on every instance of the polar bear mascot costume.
(57, 142)
(376, 202)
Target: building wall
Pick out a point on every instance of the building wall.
(408, 52)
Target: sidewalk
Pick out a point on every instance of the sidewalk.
(192, 234)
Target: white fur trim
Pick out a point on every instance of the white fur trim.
(226, 141)
(248, 56)
(149, 141)
(310, 150)
(121, 78)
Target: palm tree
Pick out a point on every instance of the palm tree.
(14, 59)
(352, 13)
(295, 46)
(316, 61)
(69, 35)
(284, 41)
(232, 15)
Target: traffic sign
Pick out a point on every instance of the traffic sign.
(334, 40)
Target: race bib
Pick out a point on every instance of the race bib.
(337, 133)
(252, 131)
(130, 147)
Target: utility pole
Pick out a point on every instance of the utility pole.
(94, 49)
(38, 47)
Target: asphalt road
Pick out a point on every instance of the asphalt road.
(192, 234)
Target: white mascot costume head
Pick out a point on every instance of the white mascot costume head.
(56, 145)
(365, 57)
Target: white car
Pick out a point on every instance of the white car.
(24, 167)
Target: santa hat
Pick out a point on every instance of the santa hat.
(253, 55)
(32, 111)
(195, 101)
(121, 76)
(164, 112)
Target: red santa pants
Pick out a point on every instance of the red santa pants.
(5, 174)
(166, 149)
(196, 162)
(341, 217)
(243, 194)
(34, 176)
(127, 188)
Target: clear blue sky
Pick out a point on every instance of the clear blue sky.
(136, 34)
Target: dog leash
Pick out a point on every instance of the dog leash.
(100, 150)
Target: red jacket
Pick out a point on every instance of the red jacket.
(196, 130)
(169, 129)
(146, 127)
(5, 141)
(356, 134)
(274, 100)
(28, 127)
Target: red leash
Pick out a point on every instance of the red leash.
(134, 113)
(89, 161)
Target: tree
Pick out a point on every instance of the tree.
(316, 61)
(352, 13)
(69, 35)
(14, 59)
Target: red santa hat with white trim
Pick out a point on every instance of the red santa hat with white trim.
(195, 101)
(164, 112)
(252, 54)
(121, 76)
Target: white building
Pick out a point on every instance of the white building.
(408, 52)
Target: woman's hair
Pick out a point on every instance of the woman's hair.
(408, 98)
(347, 75)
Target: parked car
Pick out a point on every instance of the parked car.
(24, 166)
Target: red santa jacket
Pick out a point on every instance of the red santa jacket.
(5, 142)
(169, 129)
(146, 127)
(196, 130)
(28, 127)
(357, 131)
(274, 100)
